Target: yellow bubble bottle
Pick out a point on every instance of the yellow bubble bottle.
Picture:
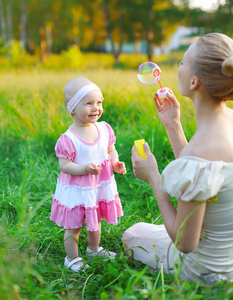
(139, 145)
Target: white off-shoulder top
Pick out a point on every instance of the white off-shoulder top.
(193, 178)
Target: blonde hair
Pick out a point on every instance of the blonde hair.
(73, 86)
(213, 65)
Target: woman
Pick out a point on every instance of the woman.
(200, 229)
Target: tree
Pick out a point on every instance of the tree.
(9, 21)
(156, 21)
(222, 19)
(53, 26)
(23, 23)
(219, 20)
(3, 23)
(118, 23)
(149, 27)
(6, 21)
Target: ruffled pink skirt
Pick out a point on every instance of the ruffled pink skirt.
(86, 198)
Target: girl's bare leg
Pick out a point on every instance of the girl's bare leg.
(94, 238)
(71, 243)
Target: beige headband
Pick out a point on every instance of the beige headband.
(80, 95)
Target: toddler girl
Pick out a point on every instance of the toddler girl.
(86, 189)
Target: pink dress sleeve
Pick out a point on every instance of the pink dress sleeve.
(112, 137)
(65, 148)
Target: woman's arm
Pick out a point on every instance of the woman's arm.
(177, 138)
(169, 113)
(184, 224)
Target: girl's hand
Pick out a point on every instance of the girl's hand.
(93, 169)
(144, 168)
(119, 167)
(168, 109)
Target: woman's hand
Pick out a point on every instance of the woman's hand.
(119, 167)
(93, 169)
(168, 109)
(144, 168)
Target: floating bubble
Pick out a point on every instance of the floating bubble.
(149, 73)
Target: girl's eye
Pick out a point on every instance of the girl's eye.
(181, 63)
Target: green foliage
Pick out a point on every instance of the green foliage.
(13, 56)
(31, 246)
(14, 52)
(57, 24)
(73, 59)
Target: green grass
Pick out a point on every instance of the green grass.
(31, 246)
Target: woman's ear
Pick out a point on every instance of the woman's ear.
(194, 83)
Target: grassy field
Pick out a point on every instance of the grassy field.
(32, 118)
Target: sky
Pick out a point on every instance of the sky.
(205, 4)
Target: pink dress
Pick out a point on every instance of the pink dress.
(90, 198)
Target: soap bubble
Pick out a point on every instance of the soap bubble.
(149, 73)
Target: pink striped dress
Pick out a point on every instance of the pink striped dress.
(90, 198)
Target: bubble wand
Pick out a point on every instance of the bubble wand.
(149, 73)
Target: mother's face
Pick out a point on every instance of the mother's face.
(185, 73)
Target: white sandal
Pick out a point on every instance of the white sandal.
(99, 252)
(75, 267)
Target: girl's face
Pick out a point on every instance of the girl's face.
(89, 109)
(184, 72)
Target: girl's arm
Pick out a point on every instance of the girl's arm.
(169, 113)
(117, 165)
(69, 167)
(184, 224)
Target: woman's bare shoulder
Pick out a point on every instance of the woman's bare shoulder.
(210, 149)
(191, 150)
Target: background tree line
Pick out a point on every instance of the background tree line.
(52, 26)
